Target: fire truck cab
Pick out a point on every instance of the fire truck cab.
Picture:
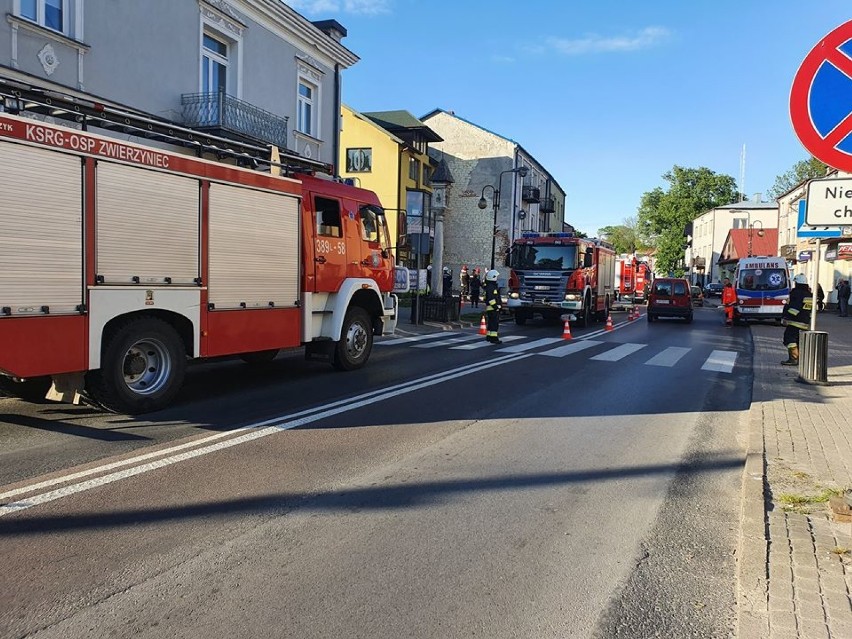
(556, 274)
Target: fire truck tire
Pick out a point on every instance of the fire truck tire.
(30, 390)
(142, 367)
(585, 318)
(520, 318)
(260, 357)
(356, 340)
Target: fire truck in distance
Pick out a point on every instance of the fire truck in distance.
(625, 272)
(119, 263)
(631, 278)
(556, 274)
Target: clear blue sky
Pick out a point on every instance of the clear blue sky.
(607, 95)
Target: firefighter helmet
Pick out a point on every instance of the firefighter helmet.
(801, 278)
(491, 276)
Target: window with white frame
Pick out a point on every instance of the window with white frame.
(306, 108)
(50, 14)
(214, 64)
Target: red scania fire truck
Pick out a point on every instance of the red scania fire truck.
(121, 262)
(555, 274)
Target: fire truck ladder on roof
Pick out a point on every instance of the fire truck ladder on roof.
(17, 98)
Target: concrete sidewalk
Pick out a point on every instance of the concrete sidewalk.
(795, 557)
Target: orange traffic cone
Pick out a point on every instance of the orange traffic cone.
(482, 329)
(566, 330)
(636, 312)
(609, 322)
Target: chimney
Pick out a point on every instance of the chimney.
(332, 28)
(758, 197)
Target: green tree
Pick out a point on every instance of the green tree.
(801, 171)
(664, 214)
(625, 237)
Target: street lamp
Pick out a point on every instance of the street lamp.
(751, 232)
(495, 202)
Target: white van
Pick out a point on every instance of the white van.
(763, 287)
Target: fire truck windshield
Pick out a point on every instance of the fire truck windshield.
(544, 258)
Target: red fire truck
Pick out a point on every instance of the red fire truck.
(121, 262)
(555, 274)
(625, 277)
(643, 281)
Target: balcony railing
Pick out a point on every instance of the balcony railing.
(531, 194)
(547, 205)
(219, 111)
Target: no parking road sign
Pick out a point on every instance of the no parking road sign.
(821, 99)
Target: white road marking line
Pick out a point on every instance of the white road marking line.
(408, 340)
(520, 348)
(619, 352)
(447, 342)
(720, 361)
(668, 357)
(255, 431)
(572, 347)
(484, 344)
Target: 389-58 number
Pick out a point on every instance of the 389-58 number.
(325, 246)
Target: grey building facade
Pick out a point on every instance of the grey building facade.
(254, 70)
(477, 157)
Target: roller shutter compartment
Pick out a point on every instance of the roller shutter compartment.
(254, 248)
(147, 226)
(41, 231)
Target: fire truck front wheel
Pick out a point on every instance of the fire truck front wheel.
(356, 340)
(142, 367)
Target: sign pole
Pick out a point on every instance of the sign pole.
(814, 288)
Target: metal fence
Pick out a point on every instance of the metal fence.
(221, 111)
(441, 309)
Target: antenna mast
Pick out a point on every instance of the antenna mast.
(742, 173)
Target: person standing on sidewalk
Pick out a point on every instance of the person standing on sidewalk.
(843, 291)
(475, 285)
(796, 316)
(464, 278)
(729, 300)
(493, 304)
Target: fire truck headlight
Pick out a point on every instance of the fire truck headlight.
(570, 297)
(514, 296)
(784, 300)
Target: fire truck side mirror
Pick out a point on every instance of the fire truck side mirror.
(588, 258)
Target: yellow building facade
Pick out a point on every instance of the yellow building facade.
(387, 153)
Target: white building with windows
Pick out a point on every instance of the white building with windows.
(710, 229)
(252, 70)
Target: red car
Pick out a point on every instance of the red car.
(670, 297)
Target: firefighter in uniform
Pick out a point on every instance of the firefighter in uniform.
(729, 300)
(493, 303)
(796, 317)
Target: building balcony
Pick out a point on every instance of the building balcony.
(224, 114)
(547, 205)
(531, 194)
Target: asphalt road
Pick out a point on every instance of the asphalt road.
(443, 491)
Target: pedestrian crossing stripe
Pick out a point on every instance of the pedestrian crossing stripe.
(669, 357)
(483, 344)
(719, 361)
